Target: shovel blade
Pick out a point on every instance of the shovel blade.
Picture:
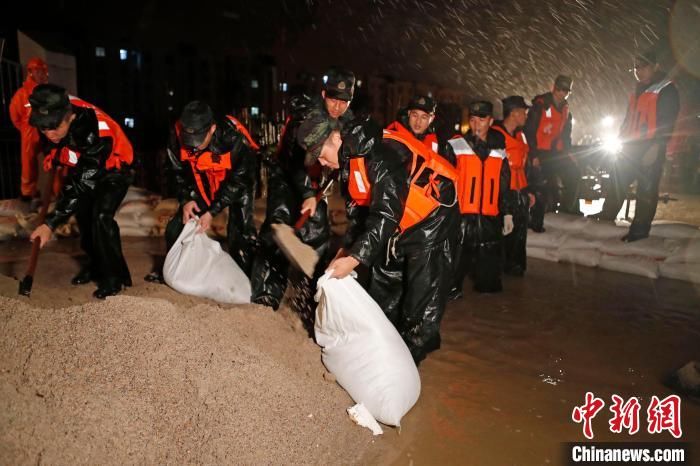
(300, 255)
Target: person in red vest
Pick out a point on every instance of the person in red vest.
(511, 127)
(211, 164)
(548, 132)
(645, 132)
(37, 73)
(485, 201)
(98, 156)
(400, 199)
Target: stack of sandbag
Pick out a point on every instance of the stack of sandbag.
(9, 210)
(672, 250)
(363, 350)
(163, 212)
(197, 265)
(136, 215)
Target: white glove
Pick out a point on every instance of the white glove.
(507, 225)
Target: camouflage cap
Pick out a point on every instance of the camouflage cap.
(313, 132)
(563, 82)
(422, 102)
(340, 84)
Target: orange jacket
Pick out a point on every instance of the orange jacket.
(422, 200)
(640, 122)
(479, 181)
(550, 128)
(122, 151)
(516, 151)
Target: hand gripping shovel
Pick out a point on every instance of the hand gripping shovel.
(300, 255)
(25, 285)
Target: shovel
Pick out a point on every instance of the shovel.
(300, 255)
(25, 285)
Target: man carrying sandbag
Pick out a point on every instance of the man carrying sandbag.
(293, 187)
(212, 166)
(400, 198)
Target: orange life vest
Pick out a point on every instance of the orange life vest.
(430, 140)
(516, 151)
(421, 200)
(122, 152)
(479, 182)
(550, 128)
(244, 131)
(641, 114)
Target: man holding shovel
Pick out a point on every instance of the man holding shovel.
(98, 155)
(296, 188)
(400, 198)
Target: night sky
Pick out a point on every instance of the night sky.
(488, 48)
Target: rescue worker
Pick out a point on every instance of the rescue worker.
(511, 127)
(37, 73)
(485, 201)
(99, 156)
(399, 199)
(293, 186)
(211, 164)
(548, 131)
(645, 132)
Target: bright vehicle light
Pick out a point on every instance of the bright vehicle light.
(612, 144)
(607, 121)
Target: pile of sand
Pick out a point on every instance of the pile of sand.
(137, 379)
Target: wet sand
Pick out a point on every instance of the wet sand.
(500, 391)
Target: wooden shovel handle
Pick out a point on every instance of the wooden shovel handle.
(45, 201)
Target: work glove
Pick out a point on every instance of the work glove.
(507, 225)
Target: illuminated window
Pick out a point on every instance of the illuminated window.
(100, 52)
(129, 122)
(254, 111)
(254, 84)
(123, 54)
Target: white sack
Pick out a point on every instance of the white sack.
(548, 239)
(631, 264)
(604, 230)
(673, 230)
(364, 351)
(585, 257)
(652, 247)
(565, 222)
(542, 253)
(687, 272)
(197, 265)
(688, 252)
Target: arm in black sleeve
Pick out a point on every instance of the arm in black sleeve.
(566, 132)
(506, 196)
(179, 173)
(389, 193)
(533, 120)
(81, 179)
(667, 108)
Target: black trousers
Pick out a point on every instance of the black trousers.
(514, 245)
(412, 287)
(270, 266)
(480, 253)
(99, 232)
(629, 168)
(555, 185)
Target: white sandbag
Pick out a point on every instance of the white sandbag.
(169, 205)
(364, 351)
(578, 241)
(126, 220)
(139, 194)
(546, 254)
(565, 222)
(604, 230)
(549, 239)
(8, 228)
(652, 247)
(134, 207)
(643, 266)
(689, 251)
(147, 219)
(578, 256)
(12, 207)
(134, 231)
(197, 265)
(689, 272)
(674, 230)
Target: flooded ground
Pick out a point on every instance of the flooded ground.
(512, 366)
